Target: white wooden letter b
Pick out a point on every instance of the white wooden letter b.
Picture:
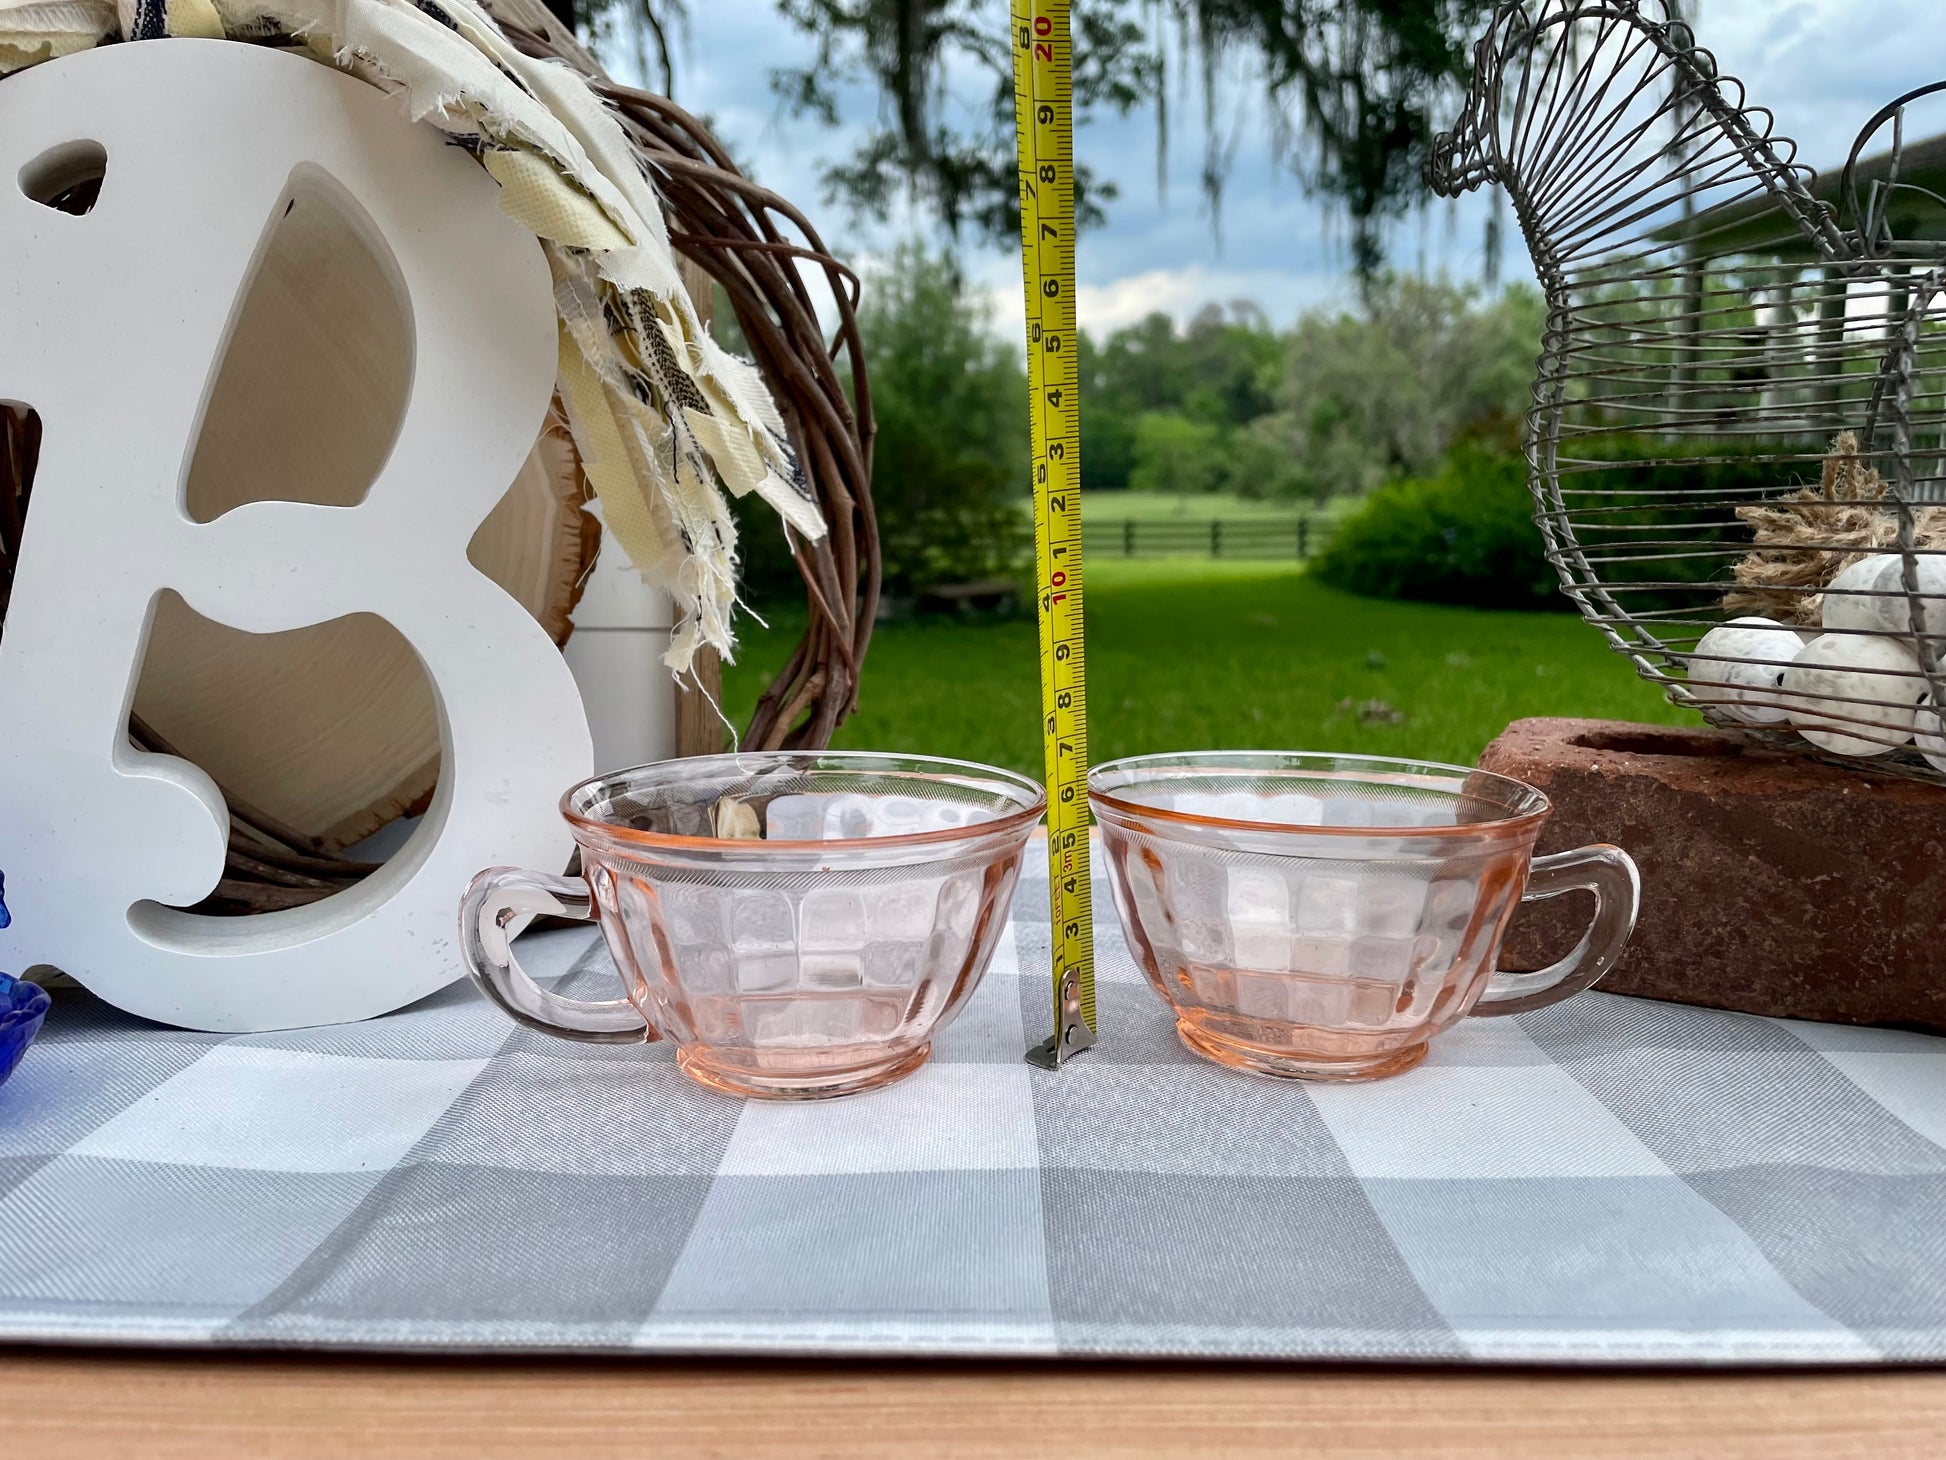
(112, 327)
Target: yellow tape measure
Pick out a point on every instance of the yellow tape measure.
(1044, 119)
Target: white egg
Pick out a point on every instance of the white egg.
(1739, 669)
(1854, 694)
(1931, 738)
(1842, 610)
(1870, 595)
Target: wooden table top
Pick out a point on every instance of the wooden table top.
(60, 1404)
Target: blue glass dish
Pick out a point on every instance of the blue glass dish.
(23, 1008)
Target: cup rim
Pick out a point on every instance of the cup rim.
(1283, 760)
(759, 759)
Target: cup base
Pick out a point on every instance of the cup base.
(811, 1085)
(1341, 1069)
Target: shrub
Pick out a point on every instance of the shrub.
(1175, 454)
(1465, 536)
(1257, 468)
(1180, 456)
(1667, 508)
(1468, 536)
(949, 465)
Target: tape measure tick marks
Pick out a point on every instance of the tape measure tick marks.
(1044, 119)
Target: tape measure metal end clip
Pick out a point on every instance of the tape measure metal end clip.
(1074, 1035)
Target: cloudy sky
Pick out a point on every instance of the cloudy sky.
(1823, 66)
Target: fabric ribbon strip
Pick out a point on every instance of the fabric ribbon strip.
(660, 412)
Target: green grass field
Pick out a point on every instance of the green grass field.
(1190, 654)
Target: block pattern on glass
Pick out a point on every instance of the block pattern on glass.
(814, 956)
(831, 972)
(829, 815)
(1359, 952)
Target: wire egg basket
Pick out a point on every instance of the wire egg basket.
(1737, 444)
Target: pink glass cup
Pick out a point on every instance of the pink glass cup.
(819, 958)
(1323, 917)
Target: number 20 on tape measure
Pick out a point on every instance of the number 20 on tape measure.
(1043, 115)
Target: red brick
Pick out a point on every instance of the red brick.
(1770, 883)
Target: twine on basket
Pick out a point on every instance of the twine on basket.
(1807, 537)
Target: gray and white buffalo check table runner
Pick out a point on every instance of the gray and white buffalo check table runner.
(1607, 1180)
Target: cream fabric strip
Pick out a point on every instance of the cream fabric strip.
(660, 412)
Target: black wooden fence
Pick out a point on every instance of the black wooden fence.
(1216, 537)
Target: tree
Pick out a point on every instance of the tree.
(1215, 374)
(1174, 454)
(649, 25)
(950, 463)
(1350, 91)
(1230, 358)
(1349, 87)
(1381, 392)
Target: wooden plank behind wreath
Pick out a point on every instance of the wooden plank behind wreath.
(699, 728)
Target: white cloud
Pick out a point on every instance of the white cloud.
(1182, 292)
(1179, 293)
(1824, 66)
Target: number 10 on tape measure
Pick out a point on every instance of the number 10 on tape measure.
(1043, 115)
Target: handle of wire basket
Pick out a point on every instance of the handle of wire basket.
(1609, 873)
(497, 899)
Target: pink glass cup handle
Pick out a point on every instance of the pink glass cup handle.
(495, 900)
(1609, 873)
